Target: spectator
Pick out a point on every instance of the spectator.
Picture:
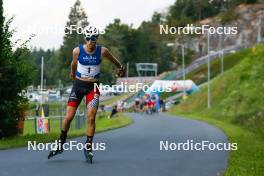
(114, 111)
(120, 106)
(162, 105)
(37, 110)
(102, 108)
(137, 104)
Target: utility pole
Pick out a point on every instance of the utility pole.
(41, 82)
(127, 69)
(183, 69)
(221, 52)
(209, 72)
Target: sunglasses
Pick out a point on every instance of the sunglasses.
(92, 39)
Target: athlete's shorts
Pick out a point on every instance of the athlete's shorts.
(81, 89)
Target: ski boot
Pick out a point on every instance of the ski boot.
(58, 150)
(88, 153)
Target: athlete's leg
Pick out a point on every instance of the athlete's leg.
(92, 101)
(74, 100)
(65, 127)
(73, 103)
(92, 106)
(66, 123)
(71, 110)
(91, 114)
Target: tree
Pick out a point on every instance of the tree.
(50, 63)
(1, 29)
(71, 39)
(185, 11)
(15, 75)
(151, 46)
(122, 40)
(132, 46)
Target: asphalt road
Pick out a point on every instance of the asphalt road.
(130, 151)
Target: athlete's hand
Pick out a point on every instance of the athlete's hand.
(120, 72)
(72, 75)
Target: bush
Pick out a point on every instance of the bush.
(15, 75)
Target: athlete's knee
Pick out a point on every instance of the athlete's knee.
(68, 119)
(91, 113)
(91, 121)
(70, 114)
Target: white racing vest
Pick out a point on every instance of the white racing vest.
(88, 65)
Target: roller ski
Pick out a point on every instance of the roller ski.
(88, 153)
(59, 147)
(59, 150)
(54, 153)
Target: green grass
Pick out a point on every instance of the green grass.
(102, 124)
(165, 95)
(199, 75)
(238, 109)
(115, 99)
(248, 160)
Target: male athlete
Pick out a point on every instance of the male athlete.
(85, 70)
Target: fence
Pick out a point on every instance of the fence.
(55, 122)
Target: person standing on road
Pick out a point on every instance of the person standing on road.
(85, 70)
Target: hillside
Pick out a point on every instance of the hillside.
(237, 94)
(238, 109)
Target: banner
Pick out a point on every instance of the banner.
(173, 86)
(42, 123)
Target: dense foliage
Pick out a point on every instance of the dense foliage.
(15, 74)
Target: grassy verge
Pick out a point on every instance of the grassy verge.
(102, 124)
(115, 99)
(237, 108)
(249, 158)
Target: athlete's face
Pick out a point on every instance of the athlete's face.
(91, 42)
